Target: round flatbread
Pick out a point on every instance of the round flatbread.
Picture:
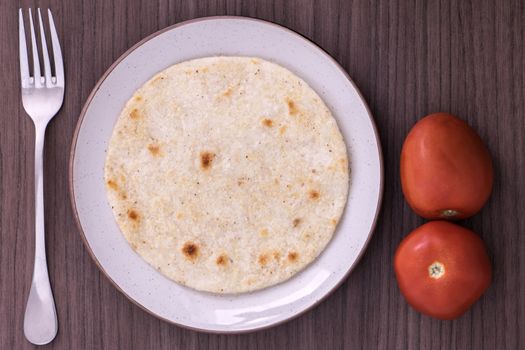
(227, 174)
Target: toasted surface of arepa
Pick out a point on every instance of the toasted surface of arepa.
(227, 174)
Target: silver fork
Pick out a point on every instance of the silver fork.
(42, 97)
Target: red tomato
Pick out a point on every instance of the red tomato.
(442, 269)
(446, 170)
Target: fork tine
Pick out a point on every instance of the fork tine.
(57, 53)
(36, 61)
(45, 54)
(24, 67)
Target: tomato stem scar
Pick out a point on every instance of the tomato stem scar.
(436, 270)
(449, 213)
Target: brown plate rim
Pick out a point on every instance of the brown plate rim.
(79, 126)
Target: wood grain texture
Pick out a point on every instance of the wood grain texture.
(409, 58)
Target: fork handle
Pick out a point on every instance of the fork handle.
(40, 319)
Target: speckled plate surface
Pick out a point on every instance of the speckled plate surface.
(141, 283)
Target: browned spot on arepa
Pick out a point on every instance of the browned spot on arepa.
(314, 194)
(263, 259)
(190, 250)
(343, 164)
(228, 92)
(267, 122)
(135, 114)
(222, 260)
(112, 184)
(292, 107)
(293, 256)
(133, 215)
(207, 159)
(154, 149)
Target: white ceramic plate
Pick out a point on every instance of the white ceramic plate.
(141, 283)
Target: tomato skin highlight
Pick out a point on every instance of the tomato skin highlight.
(443, 291)
(446, 170)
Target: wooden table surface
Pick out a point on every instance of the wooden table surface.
(409, 58)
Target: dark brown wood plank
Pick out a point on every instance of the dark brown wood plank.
(409, 58)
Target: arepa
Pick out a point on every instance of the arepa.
(227, 174)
